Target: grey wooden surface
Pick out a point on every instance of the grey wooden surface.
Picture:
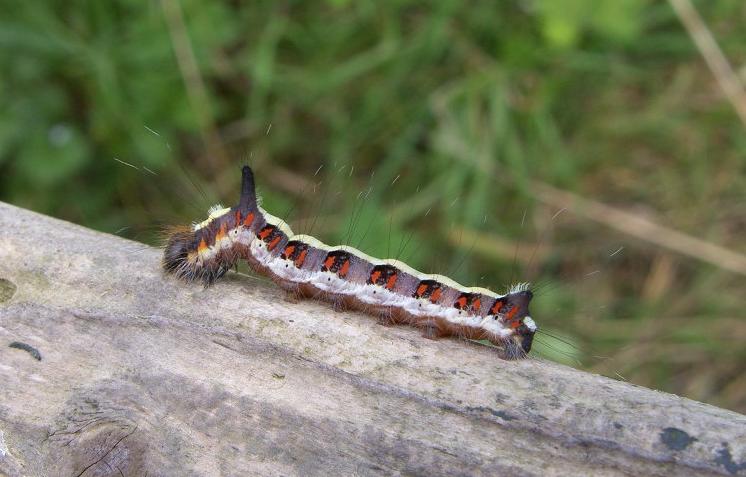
(142, 375)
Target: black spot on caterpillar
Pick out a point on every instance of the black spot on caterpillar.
(346, 276)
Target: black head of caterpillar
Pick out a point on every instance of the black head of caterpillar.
(179, 259)
(206, 251)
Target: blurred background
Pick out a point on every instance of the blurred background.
(568, 143)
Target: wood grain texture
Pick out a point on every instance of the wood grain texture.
(140, 374)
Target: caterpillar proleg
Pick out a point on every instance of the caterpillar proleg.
(386, 288)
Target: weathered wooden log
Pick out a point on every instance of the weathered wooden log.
(116, 369)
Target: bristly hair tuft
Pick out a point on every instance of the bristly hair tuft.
(519, 287)
(214, 209)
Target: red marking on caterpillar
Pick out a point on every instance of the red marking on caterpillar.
(387, 288)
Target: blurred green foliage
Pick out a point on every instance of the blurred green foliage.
(431, 120)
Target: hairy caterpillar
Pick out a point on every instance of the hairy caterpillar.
(345, 276)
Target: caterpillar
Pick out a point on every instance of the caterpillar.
(346, 277)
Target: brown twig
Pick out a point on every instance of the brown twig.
(495, 246)
(713, 55)
(643, 229)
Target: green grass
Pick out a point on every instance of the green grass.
(461, 105)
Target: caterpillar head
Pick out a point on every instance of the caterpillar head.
(181, 257)
(179, 241)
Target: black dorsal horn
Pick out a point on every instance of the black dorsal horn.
(248, 192)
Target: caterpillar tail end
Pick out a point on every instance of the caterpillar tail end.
(524, 327)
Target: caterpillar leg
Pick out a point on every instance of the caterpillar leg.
(386, 320)
(431, 331)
